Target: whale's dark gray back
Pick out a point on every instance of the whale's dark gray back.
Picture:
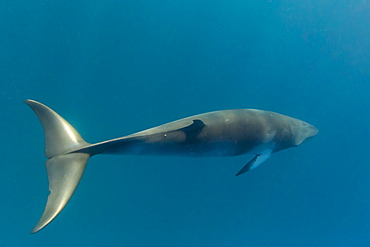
(219, 133)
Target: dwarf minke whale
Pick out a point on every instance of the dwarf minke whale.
(218, 133)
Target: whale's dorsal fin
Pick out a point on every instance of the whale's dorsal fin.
(192, 131)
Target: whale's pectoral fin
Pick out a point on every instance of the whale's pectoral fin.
(255, 162)
(193, 130)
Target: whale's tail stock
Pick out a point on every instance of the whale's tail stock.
(64, 168)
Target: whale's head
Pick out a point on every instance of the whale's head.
(302, 131)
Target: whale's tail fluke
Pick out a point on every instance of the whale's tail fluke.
(64, 168)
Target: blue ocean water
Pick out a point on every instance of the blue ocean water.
(112, 68)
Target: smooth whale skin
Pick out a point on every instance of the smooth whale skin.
(219, 133)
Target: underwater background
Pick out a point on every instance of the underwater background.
(112, 68)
